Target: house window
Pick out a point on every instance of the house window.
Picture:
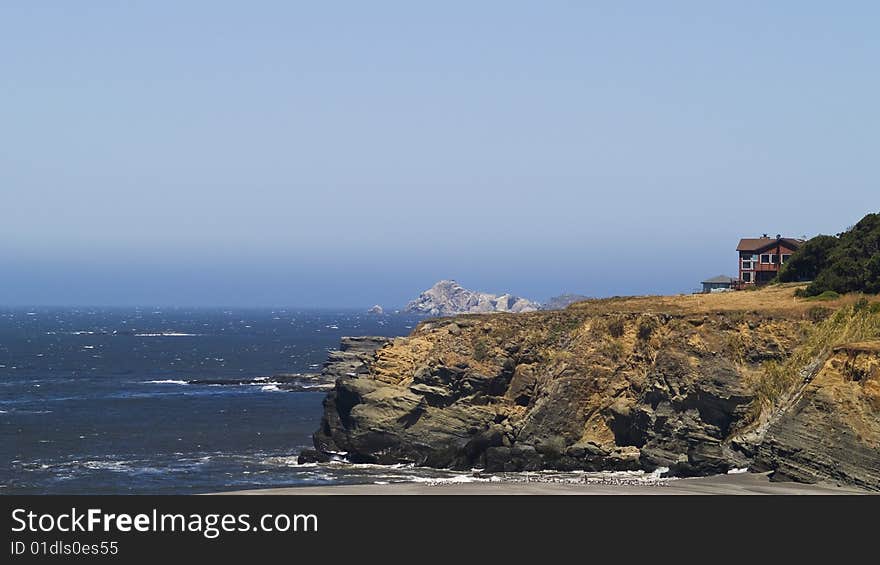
(747, 277)
(748, 265)
(768, 259)
(785, 257)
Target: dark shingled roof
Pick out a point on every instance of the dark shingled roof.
(760, 243)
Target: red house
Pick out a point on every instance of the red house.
(761, 257)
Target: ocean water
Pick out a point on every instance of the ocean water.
(95, 400)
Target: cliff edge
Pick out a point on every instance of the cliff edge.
(695, 384)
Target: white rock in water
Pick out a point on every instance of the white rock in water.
(447, 298)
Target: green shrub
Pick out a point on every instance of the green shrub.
(646, 328)
(481, 350)
(616, 327)
(849, 262)
(817, 314)
(613, 350)
(827, 295)
(806, 263)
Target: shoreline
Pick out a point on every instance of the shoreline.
(735, 484)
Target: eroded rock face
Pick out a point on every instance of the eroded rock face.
(578, 389)
(832, 433)
(559, 391)
(686, 412)
(374, 422)
(353, 356)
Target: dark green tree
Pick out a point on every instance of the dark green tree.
(806, 262)
(849, 262)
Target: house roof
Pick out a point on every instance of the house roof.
(719, 279)
(760, 243)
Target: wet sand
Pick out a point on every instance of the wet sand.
(742, 483)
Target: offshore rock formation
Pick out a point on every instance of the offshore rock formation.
(620, 384)
(448, 298)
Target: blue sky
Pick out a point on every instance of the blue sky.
(349, 153)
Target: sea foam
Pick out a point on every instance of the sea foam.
(166, 334)
(165, 382)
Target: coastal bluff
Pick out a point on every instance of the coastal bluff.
(691, 385)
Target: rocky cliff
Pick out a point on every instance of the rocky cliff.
(447, 298)
(696, 384)
(832, 430)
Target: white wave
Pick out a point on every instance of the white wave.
(270, 388)
(457, 479)
(738, 471)
(286, 461)
(319, 386)
(166, 334)
(103, 465)
(658, 473)
(165, 382)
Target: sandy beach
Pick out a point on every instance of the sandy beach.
(743, 484)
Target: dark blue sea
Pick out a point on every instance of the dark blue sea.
(94, 400)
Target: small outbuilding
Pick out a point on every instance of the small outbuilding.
(719, 284)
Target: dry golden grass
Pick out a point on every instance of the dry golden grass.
(854, 325)
(774, 299)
